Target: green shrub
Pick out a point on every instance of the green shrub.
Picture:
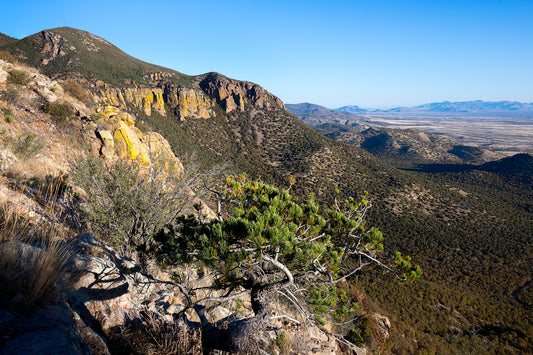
(355, 338)
(361, 333)
(10, 95)
(8, 57)
(127, 203)
(60, 111)
(19, 77)
(97, 115)
(74, 89)
(8, 114)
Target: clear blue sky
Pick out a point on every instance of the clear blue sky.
(369, 53)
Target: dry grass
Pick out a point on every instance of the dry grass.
(32, 261)
(8, 57)
(74, 89)
(155, 336)
(19, 77)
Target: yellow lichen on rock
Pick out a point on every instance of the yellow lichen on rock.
(127, 118)
(160, 151)
(159, 104)
(128, 144)
(110, 111)
(190, 103)
(146, 99)
(122, 139)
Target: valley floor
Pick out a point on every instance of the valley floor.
(508, 135)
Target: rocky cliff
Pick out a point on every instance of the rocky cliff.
(36, 143)
(199, 101)
(120, 80)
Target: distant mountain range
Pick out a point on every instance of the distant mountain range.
(315, 115)
(477, 106)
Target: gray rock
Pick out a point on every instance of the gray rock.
(49, 330)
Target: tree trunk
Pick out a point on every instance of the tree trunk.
(237, 333)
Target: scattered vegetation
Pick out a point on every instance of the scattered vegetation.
(8, 57)
(74, 89)
(19, 77)
(8, 114)
(10, 94)
(27, 146)
(61, 112)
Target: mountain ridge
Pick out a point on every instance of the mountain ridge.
(474, 106)
(5, 39)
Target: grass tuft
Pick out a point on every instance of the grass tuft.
(61, 112)
(19, 77)
(32, 261)
(74, 89)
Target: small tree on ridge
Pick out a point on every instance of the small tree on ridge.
(272, 244)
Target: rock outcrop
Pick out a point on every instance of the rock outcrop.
(145, 99)
(187, 102)
(233, 95)
(121, 138)
(112, 291)
(48, 330)
(54, 46)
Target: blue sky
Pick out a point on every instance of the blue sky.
(369, 53)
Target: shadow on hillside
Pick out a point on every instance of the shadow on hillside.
(443, 168)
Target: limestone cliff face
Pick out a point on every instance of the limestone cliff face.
(234, 95)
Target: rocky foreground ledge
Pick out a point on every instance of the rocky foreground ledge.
(112, 305)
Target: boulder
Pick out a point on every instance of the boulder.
(383, 324)
(108, 144)
(128, 145)
(49, 330)
(121, 138)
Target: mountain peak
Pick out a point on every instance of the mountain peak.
(351, 109)
(65, 51)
